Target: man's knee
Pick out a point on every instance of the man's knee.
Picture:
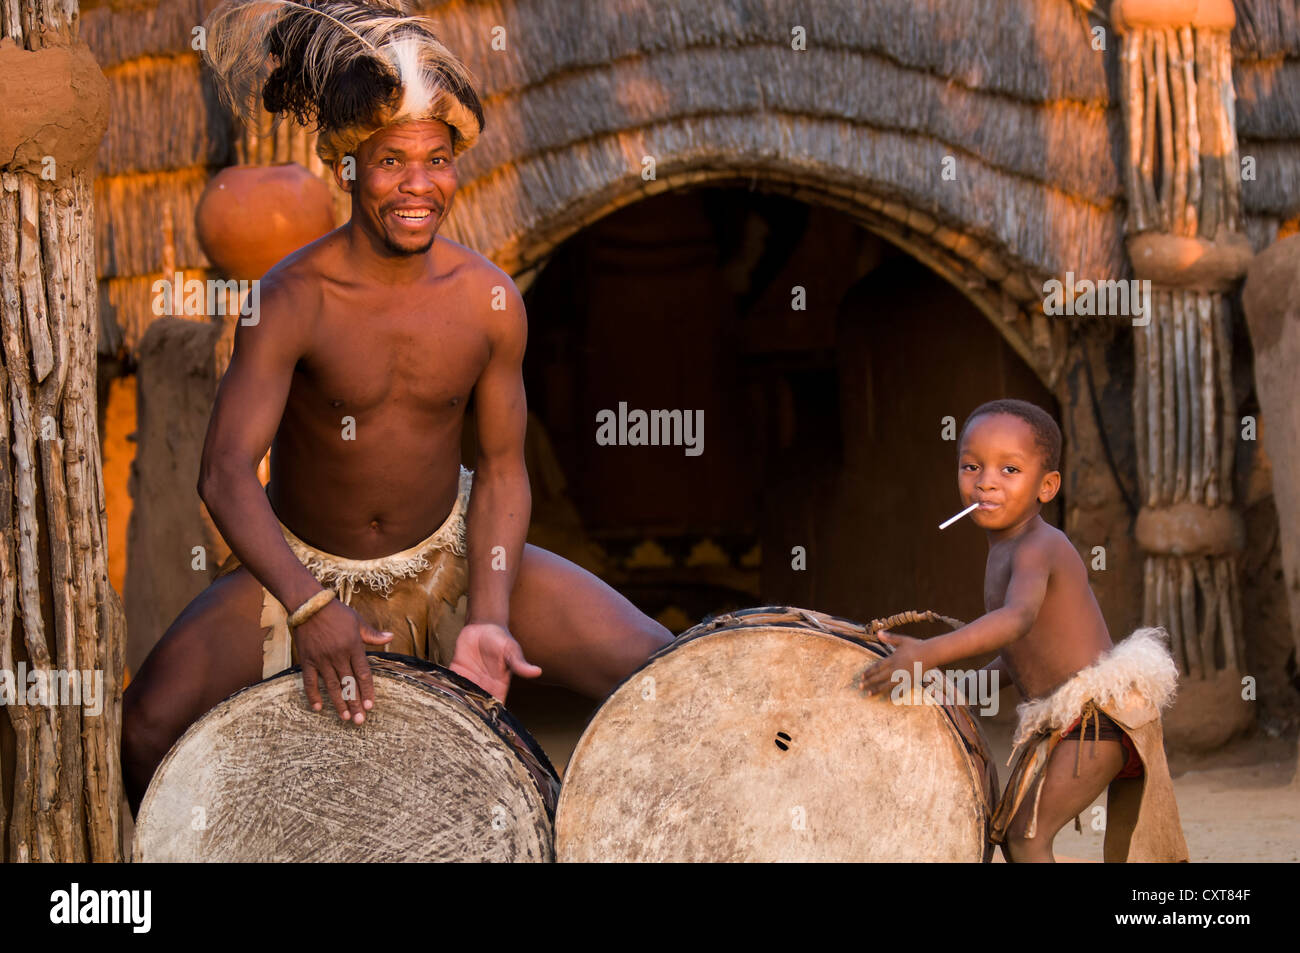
(637, 641)
(216, 639)
(650, 635)
(210, 651)
(144, 739)
(147, 735)
(156, 705)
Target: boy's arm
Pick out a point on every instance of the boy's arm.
(1031, 570)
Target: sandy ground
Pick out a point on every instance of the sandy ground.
(1236, 805)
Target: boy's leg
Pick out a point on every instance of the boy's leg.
(1063, 796)
(1123, 802)
(584, 635)
(211, 651)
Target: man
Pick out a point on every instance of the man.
(369, 344)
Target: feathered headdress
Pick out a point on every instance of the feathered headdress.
(351, 68)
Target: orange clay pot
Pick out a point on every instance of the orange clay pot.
(249, 217)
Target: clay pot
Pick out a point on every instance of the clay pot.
(249, 217)
(1156, 14)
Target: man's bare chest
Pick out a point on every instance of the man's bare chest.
(414, 362)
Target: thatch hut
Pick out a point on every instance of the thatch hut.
(658, 179)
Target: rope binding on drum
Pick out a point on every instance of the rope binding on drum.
(832, 625)
(912, 615)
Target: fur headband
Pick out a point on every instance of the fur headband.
(349, 67)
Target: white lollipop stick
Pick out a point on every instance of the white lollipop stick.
(952, 519)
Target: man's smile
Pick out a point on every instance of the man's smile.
(413, 217)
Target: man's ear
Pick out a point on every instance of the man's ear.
(345, 172)
(1051, 485)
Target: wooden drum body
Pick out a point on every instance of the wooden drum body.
(748, 740)
(439, 771)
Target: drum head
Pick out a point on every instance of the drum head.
(754, 744)
(439, 771)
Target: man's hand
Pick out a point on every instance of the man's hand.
(331, 645)
(877, 676)
(487, 654)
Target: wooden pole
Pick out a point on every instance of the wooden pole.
(1184, 189)
(59, 618)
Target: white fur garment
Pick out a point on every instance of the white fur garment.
(1141, 663)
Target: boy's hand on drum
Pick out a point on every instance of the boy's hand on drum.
(331, 646)
(877, 676)
(487, 654)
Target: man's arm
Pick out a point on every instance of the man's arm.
(501, 502)
(499, 507)
(249, 404)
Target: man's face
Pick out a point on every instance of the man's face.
(1001, 467)
(405, 180)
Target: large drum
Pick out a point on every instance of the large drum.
(747, 739)
(439, 771)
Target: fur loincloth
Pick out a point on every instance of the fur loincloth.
(1140, 663)
(345, 575)
(1131, 683)
(418, 594)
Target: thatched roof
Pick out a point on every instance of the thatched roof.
(1266, 29)
(1011, 89)
(1266, 72)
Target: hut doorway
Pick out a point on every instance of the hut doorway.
(821, 362)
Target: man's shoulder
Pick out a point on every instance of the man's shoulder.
(494, 303)
(474, 266)
(314, 257)
(297, 278)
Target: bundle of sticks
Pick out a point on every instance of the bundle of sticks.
(1183, 181)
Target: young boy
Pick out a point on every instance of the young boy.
(1043, 618)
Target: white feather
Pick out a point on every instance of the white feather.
(417, 96)
(329, 35)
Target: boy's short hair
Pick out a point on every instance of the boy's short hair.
(1046, 433)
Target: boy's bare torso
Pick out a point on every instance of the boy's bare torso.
(1069, 632)
(401, 362)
